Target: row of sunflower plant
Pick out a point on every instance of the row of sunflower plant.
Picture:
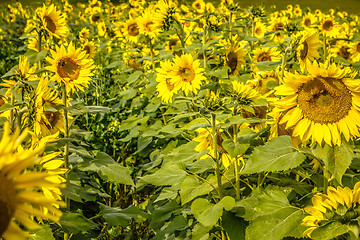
(160, 120)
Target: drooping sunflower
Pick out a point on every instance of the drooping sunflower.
(20, 191)
(71, 66)
(187, 74)
(84, 34)
(308, 47)
(165, 88)
(53, 22)
(235, 57)
(205, 140)
(25, 72)
(48, 120)
(166, 11)
(131, 30)
(322, 106)
(354, 49)
(338, 205)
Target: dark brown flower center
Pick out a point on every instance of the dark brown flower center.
(307, 22)
(67, 68)
(2, 101)
(95, 18)
(304, 50)
(133, 30)
(328, 25)
(197, 6)
(344, 52)
(50, 25)
(7, 202)
(148, 26)
(52, 117)
(169, 85)
(358, 47)
(232, 61)
(263, 57)
(324, 100)
(187, 74)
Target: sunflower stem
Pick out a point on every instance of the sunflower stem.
(283, 64)
(152, 54)
(12, 117)
(252, 26)
(237, 180)
(326, 179)
(66, 135)
(324, 47)
(204, 42)
(216, 158)
(39, 47)
(230, 26)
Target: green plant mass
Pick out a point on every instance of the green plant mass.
(179, 120)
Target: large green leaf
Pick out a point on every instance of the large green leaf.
(234, 226)
(122, 217)
(192, 187)
(116, 173)
(235, 149)
(44, 233)
(207, 213)
(167, 175)
(329, 231)
(275, 226)
(336, 159)
(76, 223)
(276, 155)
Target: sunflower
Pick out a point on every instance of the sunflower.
(25, 72)
(329, 27)
(165, 14)
(322, 106)
(199, 6)
(259, 30)
(341, 49)
(53, 22)
(338, 205)
(90, 48)
(71, 66)
(266, 54)
(48, 120)
(278, 24)
(165, 88)
(308, 20)
(206, 142)
(354, 49)
(33, 44)
(235, 57)
(187, 74)
(131, 30)
(308, 47)
(84, 34)
(147, 24)
(20, 191)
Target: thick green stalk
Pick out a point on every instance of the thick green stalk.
(237, 179)
(39, 47)
(204, 42)
(216, 157)
(324, 48)
(66, 147)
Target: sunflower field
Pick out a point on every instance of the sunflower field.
(178, 120)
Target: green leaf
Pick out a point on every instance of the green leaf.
(207, 213)
(276, 225)
(143, 142)
(166, 175)
(122, 217)
(41, 55)
(97, 109)
(336, 159)
(6, 107)
(276, 155)
(44, 233)
(11, 72)
(192, 187)
(76, 223)
(235, 149)
(114, 64)
(116, 173)
(134, 76)
(329, 231)
(220, 73)
(234, 226)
